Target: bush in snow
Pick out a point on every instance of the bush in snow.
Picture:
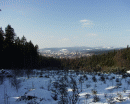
(105, 95)
(129, 95)
(94, 79)
(55, 96)
(94, 92)
(54, 87)
(42, 87)
(81, 80)
(1, 79)
(28, 98)
(124, 90)
(49, 85)
(63, 91)
(85, 76)
(75, 93)
(111, 100)
(5, 95)
(41, 75)
(102, 78)
(88, 85)
(96, 98)
(117, 79)
(16, 83)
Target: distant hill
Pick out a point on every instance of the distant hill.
(110, 60)
(82, 49)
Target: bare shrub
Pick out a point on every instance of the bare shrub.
(96, 98)
(94, 92)
(15, 83)
(88, 85)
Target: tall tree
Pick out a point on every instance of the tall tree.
(17, 41)
(9, 50)
(23, 40)
(1, 46)
(1, 39)
(9, 35)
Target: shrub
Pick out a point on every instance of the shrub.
(96, 98)
(87, 96)
(85, 76)
(94, 79)
(88, 85)
(94, 92)
(102, 78)
(117, 79)
(16, 83)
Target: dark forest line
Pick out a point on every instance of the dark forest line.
(112, 61)
(16, 53)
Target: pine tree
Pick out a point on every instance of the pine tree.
(9, 51)
(9, 35)
(1, 39)
(17, 41)
(1, 46)
(23, 40)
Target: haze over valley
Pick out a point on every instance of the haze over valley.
(73, 52)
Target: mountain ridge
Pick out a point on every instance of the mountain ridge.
(77, 49)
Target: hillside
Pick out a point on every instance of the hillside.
(112, 60)
(72, 52)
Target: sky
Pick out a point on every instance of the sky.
(68, 23)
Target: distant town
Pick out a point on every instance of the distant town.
(65, 54)
(73, 52)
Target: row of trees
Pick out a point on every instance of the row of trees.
(18, 53)
(113, 60)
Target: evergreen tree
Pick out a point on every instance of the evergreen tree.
(1, 46)
(1, 39)
(9, 51)
(23, 40)
(17, 41)
(9, 35)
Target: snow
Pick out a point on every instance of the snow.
(111, 87)
(128, 71)
(41, 88)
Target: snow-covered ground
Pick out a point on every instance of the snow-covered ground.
(54, 87)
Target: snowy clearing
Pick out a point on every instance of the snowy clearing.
(56, 87)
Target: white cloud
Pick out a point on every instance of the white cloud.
(86, 23)
(127, 30)
(64, 40)
(91, 34)
(83, 20)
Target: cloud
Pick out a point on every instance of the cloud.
(128, 30)
(83, 20)
(64, 40)
(91, 34)
(86, 23)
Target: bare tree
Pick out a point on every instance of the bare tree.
(16, 83)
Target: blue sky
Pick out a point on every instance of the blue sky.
(66, 23)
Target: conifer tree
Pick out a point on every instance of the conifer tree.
(23, 40)
(9, 35)
(1, 39)
(1, 46)
(9, 50)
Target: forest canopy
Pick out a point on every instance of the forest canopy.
(17, 53)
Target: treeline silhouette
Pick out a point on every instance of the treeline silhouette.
(113, 61)
(16, 53)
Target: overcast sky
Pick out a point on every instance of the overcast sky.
(66, 23)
